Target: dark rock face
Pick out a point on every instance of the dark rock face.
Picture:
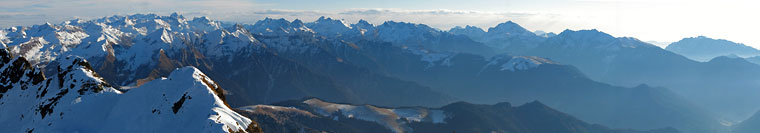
(14, 71)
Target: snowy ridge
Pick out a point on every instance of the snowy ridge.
(544, 34)
(363, 27)
(509, 28)
(517, 63)
(134, 42)
(407, 34)
(502, 36)
(474, 32)
(703, 48)
(137, 39)
(394, 119)
(329, 26)
(274, 27)
(76, 99)
(596, 40)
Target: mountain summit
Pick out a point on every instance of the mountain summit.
(703, 48)
(76, 99)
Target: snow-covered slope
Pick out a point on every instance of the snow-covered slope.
(76, 99)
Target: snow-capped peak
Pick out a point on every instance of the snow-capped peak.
(403, 33)
(270, 26)
(161, 34)
(203, 24)
(76, 99)
(475, 33)
(585, 34)
(363, 24)
(544, 33)
(362, 27)
(331, 21)
(328, 26)
(596, 39)
(467, 29)
(509, 28)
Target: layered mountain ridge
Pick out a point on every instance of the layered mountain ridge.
(626, 61)
(393, 64)
(318, 115)
(703, 48)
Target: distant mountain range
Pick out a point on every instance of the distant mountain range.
(315, 115)
(621, 83)
(630, 62)
(703, 48)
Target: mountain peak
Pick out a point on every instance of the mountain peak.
(280, 26)
(176, 15)
(331, 21)
(585, 31)
(297, 22)
(591, 34)
(74, 62)
(702, 48)
(328, 26)
(78, 100)
(596, 39)
(534, 103)
(161, 34)
(403, 24)
(508, 27)
(362, 24)
(468, 29)
(268, 20)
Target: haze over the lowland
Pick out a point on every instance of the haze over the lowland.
(648, 20)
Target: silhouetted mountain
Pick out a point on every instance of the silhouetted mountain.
(627, 61)
(318, 115)
(702, 48)
(521, 79)
(505, 37)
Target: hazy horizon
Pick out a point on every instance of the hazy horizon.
(648, 20)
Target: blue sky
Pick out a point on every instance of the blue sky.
(648, 20)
